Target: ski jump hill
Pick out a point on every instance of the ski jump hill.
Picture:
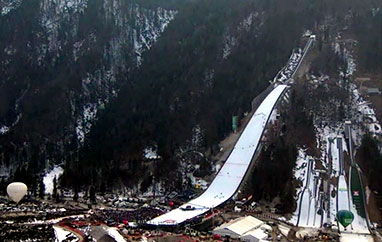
(230, 176)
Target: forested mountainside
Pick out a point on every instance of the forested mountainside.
(208, 65)
(61, 61)
(91, 84)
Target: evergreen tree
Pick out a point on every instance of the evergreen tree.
(58, 196)
(92, 194)
(55, 187)
(75, 196)
(42, 188)
(3, 186)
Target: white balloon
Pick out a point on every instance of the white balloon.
(16, 191)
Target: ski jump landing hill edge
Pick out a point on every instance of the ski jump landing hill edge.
(230, 176)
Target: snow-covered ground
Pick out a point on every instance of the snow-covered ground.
(343, 196)
(231, 41)
(364, 118)
(143, 40)
(149, 24)
(332, 144)
(359, 224)
(198, 182)
(290, 68)
(274, 115)
(49, 177)
(4, 129)
(343, 201)
(113, 232)
(84, 123)
(9, 6)
(349, 237)
(330, 139)
(62, 234)
(150, 153)
(300, 174)
(293, 64)
(363, 115)
(309, 200)
(310, 203)
(227, 181)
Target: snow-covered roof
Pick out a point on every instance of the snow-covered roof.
(255, 235)
(239, 226)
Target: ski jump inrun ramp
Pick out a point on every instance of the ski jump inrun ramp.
(230, 176)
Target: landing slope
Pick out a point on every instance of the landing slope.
(228, 180)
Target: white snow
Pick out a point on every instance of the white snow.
(198, 182)
(232, 40)
(307, 33)
(289, 70)
(157, 188)
(84, 123)
(197, 136)
(309, 199)
(61, 234)
(365, 115)
(151, 30)
(310, 202)
(9, 6)
(4, 129)
(300, 174)
(367, 193)
(247, 22)
(53, 13)
(217, 168)
(227, 181)
(343, 194)
(273, 116)
(301, 233)
(284, 229)
(113, 232)
(348, 237)
(351, 66)
(150, 152)
(330, 141)
(139, 28)
(229, 43)
(48, 178)
(345, 202)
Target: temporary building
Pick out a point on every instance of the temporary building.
(245, 228)
(254, 236)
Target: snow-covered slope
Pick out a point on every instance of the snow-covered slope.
(228, 180)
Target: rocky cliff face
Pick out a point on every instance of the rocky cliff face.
(60, 62)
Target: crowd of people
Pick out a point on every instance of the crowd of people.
(122, 216)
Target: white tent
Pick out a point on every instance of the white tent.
(244, 228)
(254, 236)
